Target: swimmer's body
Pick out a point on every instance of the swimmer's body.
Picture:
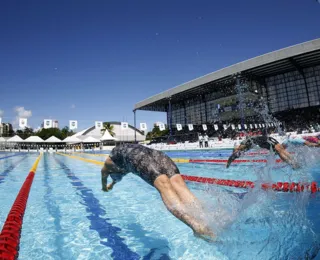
(263, 142)
(310, 141)
(160, 171)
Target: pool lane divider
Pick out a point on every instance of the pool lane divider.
(221, 161)
(108, 233)
(92, 154)
(11, 231)
(10, 168)
(82, 159)
(278, 186)
(1, 158)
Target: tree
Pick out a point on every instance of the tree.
(156, 133)
(108, 127)
(45, 133)
(25, 133)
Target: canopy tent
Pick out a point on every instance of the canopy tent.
(90, 139)
(71, 139)
(15, 139)
(2, 140)
(107, 136)
(33, 139)
(53, 139)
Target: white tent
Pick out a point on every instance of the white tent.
(2, 140)
(71, 139)
(90, 139)
(33, 139)
(15, 139)
(53, 139)
(107, 136)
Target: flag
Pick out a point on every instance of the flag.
(143, 126)
(239, 126)
(204, 126)
(262, 125)
(98, 124)
(245, 126)
(190, 126)
(225, 127)
(124, 125)
(23, 122)
(259, 125)
(162, 127)
(251, 126)
(233, 126)
(216, 127)
(179, 127)
(47, 123)
(255, 125)
(73, 124)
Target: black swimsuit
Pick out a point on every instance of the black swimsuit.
(262, 141)
(142, 161)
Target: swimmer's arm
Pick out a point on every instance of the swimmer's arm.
(104, 177)
(307, 143)
(236, 154)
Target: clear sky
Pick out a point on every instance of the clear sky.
(93, 60)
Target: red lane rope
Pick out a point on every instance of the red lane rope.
(11, 231)
(278, 186)
(235, 161)
(10, 234)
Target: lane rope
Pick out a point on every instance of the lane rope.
(11, 231)
(278, 186)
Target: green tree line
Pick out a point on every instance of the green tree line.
(45, 133)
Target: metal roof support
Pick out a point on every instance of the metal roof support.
(238, 86)
(135, 130)
(300, 70)
(185, 113)
(170, 117)
(203, 99)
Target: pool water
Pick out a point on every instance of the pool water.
(69, 217)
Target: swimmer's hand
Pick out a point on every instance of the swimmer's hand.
(108, 187)
(234, 156)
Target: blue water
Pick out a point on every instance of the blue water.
(69, 217)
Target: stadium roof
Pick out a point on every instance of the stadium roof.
(288, 59)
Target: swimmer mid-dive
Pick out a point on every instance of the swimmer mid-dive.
(263, 142)
(310, 141)
(159, 171)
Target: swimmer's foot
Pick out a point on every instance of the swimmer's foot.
(205, 234)
(207, 237)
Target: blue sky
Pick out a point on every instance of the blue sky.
(93, 60)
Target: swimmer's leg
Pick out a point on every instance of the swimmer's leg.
(285, 156)
(183, 192)
(177, 207)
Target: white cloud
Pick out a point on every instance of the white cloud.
(1, 112)
(20, 112)
(73, 106)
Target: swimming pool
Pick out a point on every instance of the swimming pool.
(69, 217)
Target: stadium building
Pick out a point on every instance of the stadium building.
(284, 83)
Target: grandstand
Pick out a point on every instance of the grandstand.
(286, 81)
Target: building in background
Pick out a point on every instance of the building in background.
(284, 83)
(6, 129)
(128, 135)
(55, 123)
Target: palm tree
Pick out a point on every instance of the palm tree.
(108, 127)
